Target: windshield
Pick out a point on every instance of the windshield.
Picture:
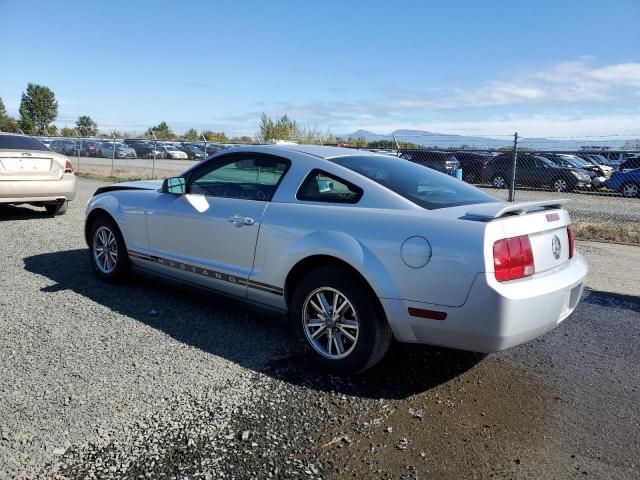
(19, 142)
(575, 161)
(423, 186)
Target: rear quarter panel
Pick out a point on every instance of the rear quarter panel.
(370, 240)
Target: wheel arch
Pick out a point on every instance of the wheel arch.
(93, 214)
(313, 262)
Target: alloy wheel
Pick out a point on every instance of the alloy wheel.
(330, 323)
(105, 249)
(560, 185)
(499, 182)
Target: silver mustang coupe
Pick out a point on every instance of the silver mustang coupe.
(357, 248)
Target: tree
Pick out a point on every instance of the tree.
(38, 108)
(215, 136)
(7, 123)
(86, 126)
(242, 139)
(358, 142)
(283, 128)
(68, 132)
(191, 135)
(162, 131)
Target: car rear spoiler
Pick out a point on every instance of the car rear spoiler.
(490, 211)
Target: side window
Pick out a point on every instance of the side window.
(321, 186)
(244, 177)
(526, 162)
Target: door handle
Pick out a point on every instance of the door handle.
(240, 220)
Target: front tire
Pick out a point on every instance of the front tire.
(561, 185)
(59, 208)
(338, 322)
(107, 250)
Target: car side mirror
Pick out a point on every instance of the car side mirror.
(174, 186)
(325, 186)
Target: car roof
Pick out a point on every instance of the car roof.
(319, 151)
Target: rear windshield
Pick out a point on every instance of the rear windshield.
(421, 185)
(18, 142)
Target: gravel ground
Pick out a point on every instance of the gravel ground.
(149, 381)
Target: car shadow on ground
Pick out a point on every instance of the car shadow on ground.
(613, 300)
(15, 212)
(258, 341)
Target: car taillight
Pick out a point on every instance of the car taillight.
(513, 258)
(68, 167)
(572, 241)
(485, 164)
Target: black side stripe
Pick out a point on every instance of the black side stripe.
(264, 287)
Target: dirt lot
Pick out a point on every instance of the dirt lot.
(148, 381)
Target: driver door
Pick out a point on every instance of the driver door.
(208, 235)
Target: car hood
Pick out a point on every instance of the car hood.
(139, 185)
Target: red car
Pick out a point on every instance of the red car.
(89, 149)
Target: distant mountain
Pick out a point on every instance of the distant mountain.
(443, 140)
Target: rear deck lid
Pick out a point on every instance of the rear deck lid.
(37, 165)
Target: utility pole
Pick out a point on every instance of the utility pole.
(205, 146)
(155, 149)
(397, 145)
(512, 187)
(113, 151)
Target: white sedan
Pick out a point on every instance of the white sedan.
(31, 173)
(356, 248)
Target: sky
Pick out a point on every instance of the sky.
(544, 68)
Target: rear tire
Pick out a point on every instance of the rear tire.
(498, 181)
(345, 336)
(59, 208)
(107, 250)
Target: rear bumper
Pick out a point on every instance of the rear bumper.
(495, 316)
(27, 191)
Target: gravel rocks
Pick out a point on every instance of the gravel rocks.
(144, 381)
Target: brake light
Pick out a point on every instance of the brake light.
(485, 164)
(513, 258)
(68, 167)
(572, 241)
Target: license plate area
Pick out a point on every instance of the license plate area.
(26, 165)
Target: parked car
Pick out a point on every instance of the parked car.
(535, 171)
(626, 182)
(121, 150)
(573, 161)
(598, 161)
(171, 152)
(63, 146)
(33, 174)
(141, 147)
(213, 148)
(89, 148)
(630, 163)
(356, 248)
(473, 165)
(154, 151)
(443, 162)
(193, 152)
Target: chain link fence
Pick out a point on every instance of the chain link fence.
(601, 186)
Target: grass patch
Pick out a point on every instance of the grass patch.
(109, 178)
(625, 232)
